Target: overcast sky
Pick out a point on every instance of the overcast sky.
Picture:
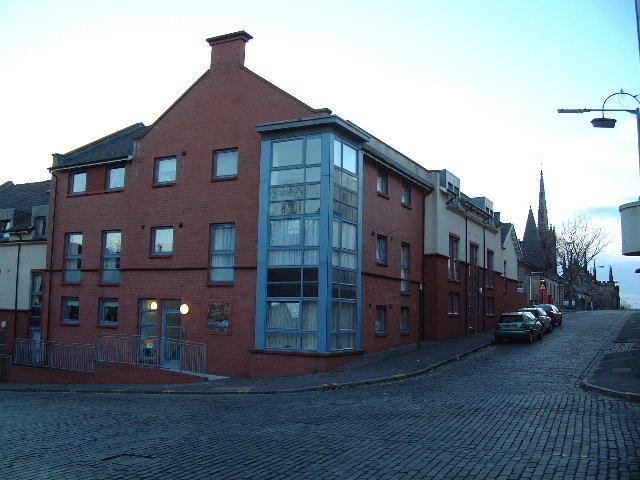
(468, 85)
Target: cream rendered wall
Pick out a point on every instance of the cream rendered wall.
(32, 257)
(510, 254)
(443, 220)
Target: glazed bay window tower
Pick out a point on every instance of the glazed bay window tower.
(310, 236)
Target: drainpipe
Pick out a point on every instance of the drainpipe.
(15, 299)
(50, 243)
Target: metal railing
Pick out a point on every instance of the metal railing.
(5, 366)
(64, 356)
(158, 352)
(170, 354)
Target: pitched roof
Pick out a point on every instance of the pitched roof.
(24, 196)
(118, 145)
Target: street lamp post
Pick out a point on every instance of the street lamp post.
(629, 212)
(603, 122)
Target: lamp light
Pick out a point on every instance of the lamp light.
(153, 305)
(184, 309)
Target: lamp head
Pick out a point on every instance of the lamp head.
(602, 122)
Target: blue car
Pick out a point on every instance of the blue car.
(518, 326)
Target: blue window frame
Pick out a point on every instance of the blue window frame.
(223, 247)
(162, 241)
(115, 178)
(111, 250)
(225, 163)
(78, 182)
(108, 311)
(73, 257)
(71, 310)
(35, 311)
(165, 171)
(404, 268)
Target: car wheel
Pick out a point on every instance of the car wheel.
(530, 339)
(541, 333)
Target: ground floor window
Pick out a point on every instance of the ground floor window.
(454, 303)
(218, 318)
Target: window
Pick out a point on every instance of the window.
(404, 268)
(115, 178)
(4, 225)
(78, 182)
(504, 275)
(454, 262)
(165, 171)
(381, 318)
(108, 311)
(149, 320)
(35, 312)
(162, 241)
(111, 249)
(218, 317)
(223, 246)
(40, 227)
(381, 249)
(406, 193)
(70, 310)
(491, 306)
(491, 281)
(454, 303)
(73, 257)
(225, 163)
(404, 319)
(383, 181)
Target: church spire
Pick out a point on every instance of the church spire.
(543, 219)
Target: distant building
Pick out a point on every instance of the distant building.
(24, 210)
(538, 269)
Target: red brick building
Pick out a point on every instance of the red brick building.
(296, 240)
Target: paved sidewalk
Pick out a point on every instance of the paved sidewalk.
(614, 372)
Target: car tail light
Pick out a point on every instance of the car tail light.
(525, 325)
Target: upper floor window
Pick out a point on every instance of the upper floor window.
(404, 268)
(383, 181)
(381, 249)
(115, 178)
(406, 193)
(73, 257)
(454, 259)
(40, 227)
(223, 245)
(491, 282)
(111, 249)
(225, 163)
(78, 182)
(4, 225)
(165, 171)
(162, 241)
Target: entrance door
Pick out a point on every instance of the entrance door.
(171, 333)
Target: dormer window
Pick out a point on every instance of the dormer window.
(4, 225)
(40, 227)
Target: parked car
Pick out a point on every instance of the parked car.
(542, 317)
(553, 312)
(518, 326)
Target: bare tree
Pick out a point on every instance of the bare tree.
(578, 243)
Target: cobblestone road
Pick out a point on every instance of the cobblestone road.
(510, 411)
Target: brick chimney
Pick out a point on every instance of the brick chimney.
(228, 49)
